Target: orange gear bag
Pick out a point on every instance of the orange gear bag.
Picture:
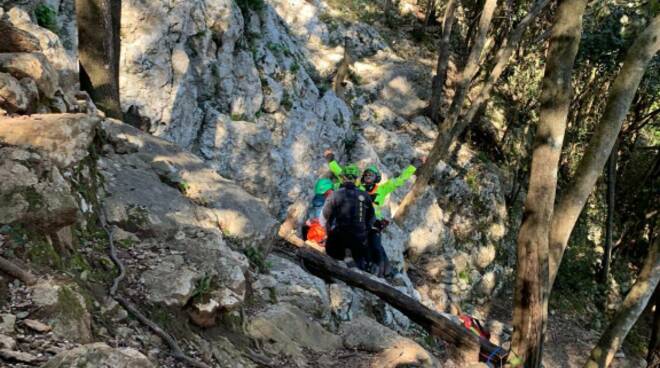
(316, 232)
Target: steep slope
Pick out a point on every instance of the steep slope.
(228, 111)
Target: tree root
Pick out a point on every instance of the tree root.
(176, 350)
(11, 269)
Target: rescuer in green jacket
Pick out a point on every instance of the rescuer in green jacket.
(370, 182)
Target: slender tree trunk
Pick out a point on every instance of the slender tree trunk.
(445, 139)
(653, 357)
(430, 13)
(342, 70)
(98, 36)
(529, 313)
(438, 82)
(632, 307)
(502, 60)
(621, 94)
(470, 69)
(611, 190)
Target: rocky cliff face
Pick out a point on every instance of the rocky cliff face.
(227, 112)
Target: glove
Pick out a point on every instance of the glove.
(418, 162)
(329, 155)
(380, 225)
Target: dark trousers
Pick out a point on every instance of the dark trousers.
(339, 240)
(377, 254)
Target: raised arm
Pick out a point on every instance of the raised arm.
(333, 165)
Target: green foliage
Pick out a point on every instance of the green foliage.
(575, 289)
(16, 234)
(278, 48)
(203, 287)
(464, 275)
(69, 305)
(183, 186)
(255, 5)
(472, 181)
(349, 143)
(137, 215)
(355, 78)
(286, 102)
(257, 259)
(294, 67)
(46, 17)
(237, 117)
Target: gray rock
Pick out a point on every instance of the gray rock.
(273, 93)
(31, 65)
(37, 325)
(18, 356)
(63, 138)
(13, 97)
(7, 323)
(99, 355)
(289, 283)
(63, 60)
(287, 329)
(7, 342)
(62, 306)
(165, 209)
(393, 350)
(170, 282)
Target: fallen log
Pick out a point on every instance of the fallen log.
(16, 39)
(13, 270)
(469, 347)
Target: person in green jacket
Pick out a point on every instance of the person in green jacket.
(370, 182)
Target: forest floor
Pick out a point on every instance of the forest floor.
(570, 338)
(572, 333)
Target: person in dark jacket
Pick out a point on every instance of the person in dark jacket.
(349, 215)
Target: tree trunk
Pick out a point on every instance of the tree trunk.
(444, 137)
(430, 16)
(342, 70)
(653, 357)
(98, 45)
(529, 313)
(468, 345)
(438, 82)
(611, 190)
(13, 270)
(632, 307)
(621, 94)
(502, 60)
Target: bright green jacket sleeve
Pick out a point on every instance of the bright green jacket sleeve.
(390, 185)
(335, 168)
(383, 190)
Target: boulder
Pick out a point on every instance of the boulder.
(31, 65)
(63, 138)
(391, 349)
(7, 323)
(220, 202)
(99, 355)
(7, 342)
(33, 191)
(13, 98)
(289, 330)
(63, 60)
(62, 306)
(18, 356)
(170, 282)
(289, 283)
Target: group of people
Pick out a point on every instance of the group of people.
(346, 213)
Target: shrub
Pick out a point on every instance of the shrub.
(46, 17)
(255, 5)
